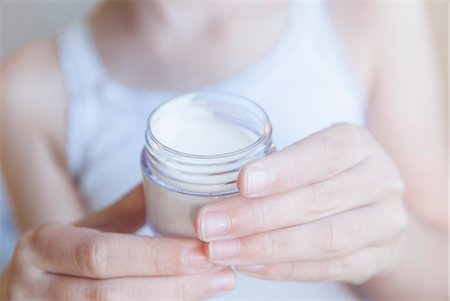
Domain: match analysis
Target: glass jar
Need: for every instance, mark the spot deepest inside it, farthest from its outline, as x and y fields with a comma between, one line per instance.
x=195, y=147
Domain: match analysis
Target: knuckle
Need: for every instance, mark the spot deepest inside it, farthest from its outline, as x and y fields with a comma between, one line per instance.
x=159, y=267
x=332, y=152
x=333, y=268
x=360, y=133
x=387, y=182
x=394, y=226
x=335, y=237
x=393, y=184
x=401, y=219
x=345, y=268
x=102, y=292
x=91, y=257
x=353, y=132
x=400, y=185
x=259, y=215
x=345, y=126
x=360, y=138
x=160, y=261
x=290, y=271
x=396, y=186
x=348, y=266
x=181, y=290
x=40, y=233
x=281, y=271
x=268, y=245
x=322, y=198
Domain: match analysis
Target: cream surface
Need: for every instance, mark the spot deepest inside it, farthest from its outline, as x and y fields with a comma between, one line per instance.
x=190, y=127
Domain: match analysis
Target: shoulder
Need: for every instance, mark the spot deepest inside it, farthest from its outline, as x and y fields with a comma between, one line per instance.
x=32, y=94
x=31, y=79
x=378, y=19
x=370, y=30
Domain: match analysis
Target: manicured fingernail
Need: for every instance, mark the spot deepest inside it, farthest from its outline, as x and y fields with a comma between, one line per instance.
x=251, y=268
x=257, y=180
x=223, y=249
x=213, y=224
x=222, y=281
x=196, y=260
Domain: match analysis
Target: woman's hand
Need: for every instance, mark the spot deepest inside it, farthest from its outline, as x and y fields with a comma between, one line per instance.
x=328, y=207
x=61, y=262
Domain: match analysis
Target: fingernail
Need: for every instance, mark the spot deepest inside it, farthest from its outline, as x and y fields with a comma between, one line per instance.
x=257, y=181
x=251, y=268
x=195, y=259
x=222, y=281
x=213, y=224
x=223, y=249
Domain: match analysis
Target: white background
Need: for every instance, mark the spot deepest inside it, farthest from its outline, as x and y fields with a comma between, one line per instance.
x=23, y=21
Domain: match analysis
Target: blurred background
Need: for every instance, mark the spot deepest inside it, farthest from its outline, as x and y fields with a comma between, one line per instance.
x=23, y=21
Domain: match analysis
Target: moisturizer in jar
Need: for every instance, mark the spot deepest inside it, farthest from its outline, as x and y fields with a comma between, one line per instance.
x=195, y=147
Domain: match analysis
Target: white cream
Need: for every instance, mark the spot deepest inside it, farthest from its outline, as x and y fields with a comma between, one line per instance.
x=212, y=140
x=187, y=127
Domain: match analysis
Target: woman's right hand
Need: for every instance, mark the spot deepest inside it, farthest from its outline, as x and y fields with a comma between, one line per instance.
x=89, y=262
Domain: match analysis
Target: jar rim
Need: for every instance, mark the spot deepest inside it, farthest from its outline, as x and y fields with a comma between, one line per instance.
x=263, y=137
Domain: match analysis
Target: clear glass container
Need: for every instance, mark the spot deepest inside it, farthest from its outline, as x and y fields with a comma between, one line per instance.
x=195, y=147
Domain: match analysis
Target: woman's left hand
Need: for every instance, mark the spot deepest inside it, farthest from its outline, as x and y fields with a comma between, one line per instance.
x=329, y=207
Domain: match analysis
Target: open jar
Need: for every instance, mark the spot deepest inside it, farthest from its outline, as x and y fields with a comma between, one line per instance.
x=195, y=147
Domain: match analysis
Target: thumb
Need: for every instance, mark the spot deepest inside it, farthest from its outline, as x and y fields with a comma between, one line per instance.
x=126, y=215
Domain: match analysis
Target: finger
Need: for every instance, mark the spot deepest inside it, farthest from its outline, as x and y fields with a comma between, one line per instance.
x=240, y=216
x=318, y=157
x=355, y=268
x=89, y=253
x=125, y=216
x=327, y=238
x=192, y=287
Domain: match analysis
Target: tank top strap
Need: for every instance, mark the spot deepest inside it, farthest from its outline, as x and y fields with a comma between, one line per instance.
x=326, y=52
x=82, y=78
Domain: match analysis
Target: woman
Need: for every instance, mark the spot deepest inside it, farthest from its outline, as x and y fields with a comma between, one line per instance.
x=328, y=207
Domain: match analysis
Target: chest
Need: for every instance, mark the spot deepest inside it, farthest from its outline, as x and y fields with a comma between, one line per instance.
x=298, y=101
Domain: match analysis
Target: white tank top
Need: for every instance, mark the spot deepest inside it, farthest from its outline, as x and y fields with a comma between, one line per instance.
x=305, y=83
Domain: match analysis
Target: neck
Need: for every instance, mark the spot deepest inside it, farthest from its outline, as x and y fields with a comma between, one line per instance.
x=174, y=15
x=177, y=39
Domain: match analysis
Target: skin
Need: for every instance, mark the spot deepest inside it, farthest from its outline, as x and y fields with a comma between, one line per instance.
x=94, y=264
x=361, y=206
